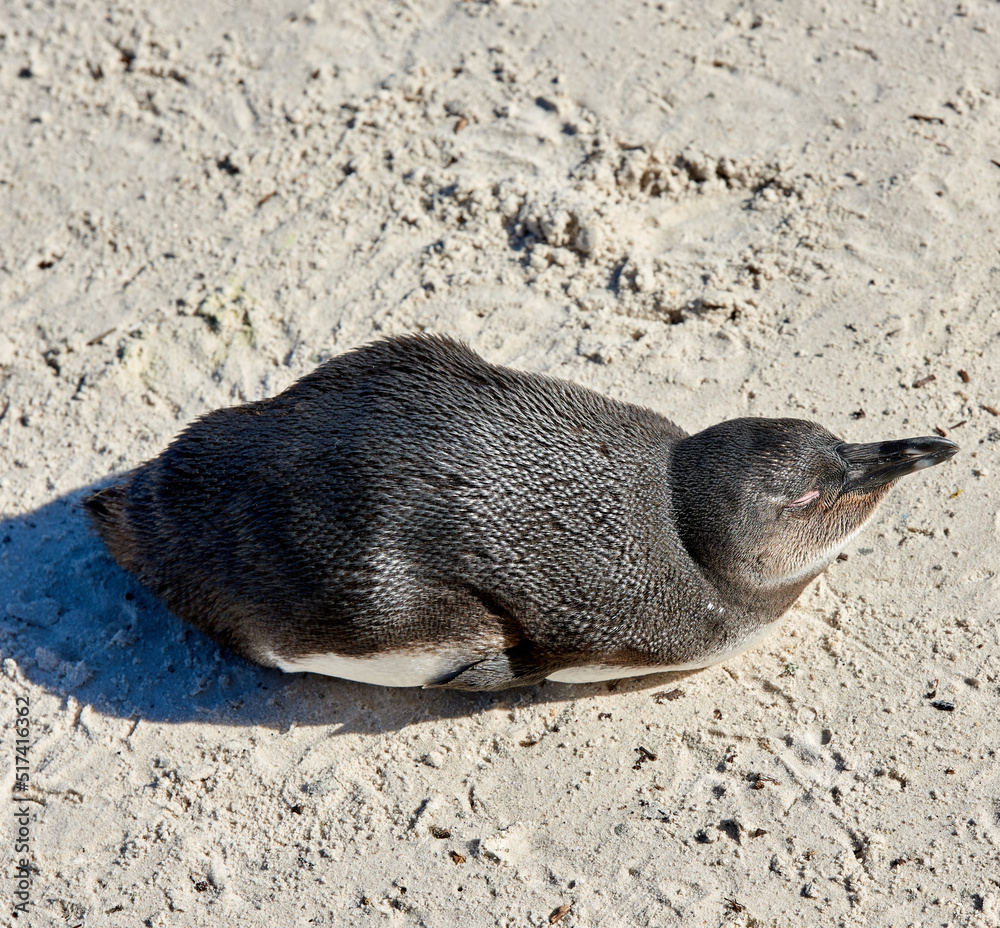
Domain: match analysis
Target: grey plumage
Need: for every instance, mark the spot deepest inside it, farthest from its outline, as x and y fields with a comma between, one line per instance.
x=408, y=497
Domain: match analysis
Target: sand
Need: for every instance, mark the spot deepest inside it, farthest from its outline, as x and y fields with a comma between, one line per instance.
x=711, y=208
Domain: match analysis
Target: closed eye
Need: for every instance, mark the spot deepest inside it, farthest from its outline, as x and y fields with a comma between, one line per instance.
x=810, y=496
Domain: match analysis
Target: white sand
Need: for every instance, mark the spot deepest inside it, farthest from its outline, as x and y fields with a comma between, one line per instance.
x=710, y=208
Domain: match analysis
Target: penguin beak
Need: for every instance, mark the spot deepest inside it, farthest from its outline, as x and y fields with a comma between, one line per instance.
x=875, y=464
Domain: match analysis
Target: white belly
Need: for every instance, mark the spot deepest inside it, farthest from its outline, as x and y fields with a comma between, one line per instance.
x=420, y=668
x=395, y=668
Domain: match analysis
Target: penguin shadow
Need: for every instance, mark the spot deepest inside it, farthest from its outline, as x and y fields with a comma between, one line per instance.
x=87, y=632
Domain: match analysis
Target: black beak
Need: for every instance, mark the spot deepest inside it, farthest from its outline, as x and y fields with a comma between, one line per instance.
x=880, y=462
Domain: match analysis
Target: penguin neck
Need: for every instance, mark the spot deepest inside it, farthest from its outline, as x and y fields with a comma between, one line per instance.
x=780, y=592
x=769, y=601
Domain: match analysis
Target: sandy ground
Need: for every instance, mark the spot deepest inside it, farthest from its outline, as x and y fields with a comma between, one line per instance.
x=710, y=208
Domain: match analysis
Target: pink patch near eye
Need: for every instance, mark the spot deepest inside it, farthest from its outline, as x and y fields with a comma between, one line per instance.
x=806, y=498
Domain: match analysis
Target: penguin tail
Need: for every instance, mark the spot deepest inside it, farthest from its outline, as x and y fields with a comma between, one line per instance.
x=108, y=511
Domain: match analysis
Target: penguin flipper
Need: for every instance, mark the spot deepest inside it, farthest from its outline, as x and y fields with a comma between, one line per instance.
x=517, y=666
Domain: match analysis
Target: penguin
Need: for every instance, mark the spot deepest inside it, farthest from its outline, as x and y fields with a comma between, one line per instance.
x=410, y=515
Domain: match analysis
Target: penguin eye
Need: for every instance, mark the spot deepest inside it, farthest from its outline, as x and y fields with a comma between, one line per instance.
x=810, y=496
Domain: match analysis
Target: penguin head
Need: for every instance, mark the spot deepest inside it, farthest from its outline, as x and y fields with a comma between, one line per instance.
x=769, y=503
